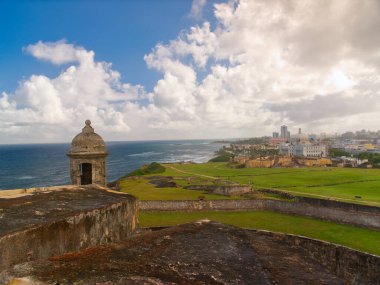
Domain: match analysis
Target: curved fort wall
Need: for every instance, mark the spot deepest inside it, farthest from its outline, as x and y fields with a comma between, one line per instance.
x=359, y=215
x=354, y=266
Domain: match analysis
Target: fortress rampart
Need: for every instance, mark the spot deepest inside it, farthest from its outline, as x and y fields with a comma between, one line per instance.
x=43, y=222
x=347, y=213
x=40, y=223
x=353, y=266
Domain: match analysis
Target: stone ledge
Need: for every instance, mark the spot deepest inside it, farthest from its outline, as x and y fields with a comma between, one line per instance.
x=57, y=220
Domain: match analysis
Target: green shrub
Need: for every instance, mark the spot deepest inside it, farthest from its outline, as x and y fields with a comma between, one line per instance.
x=152, y=168
x=336, y=152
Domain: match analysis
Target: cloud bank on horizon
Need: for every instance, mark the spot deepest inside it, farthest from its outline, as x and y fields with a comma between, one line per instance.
x=309, y=64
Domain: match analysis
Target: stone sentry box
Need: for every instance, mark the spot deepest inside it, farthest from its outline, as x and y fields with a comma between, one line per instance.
x=87, y=155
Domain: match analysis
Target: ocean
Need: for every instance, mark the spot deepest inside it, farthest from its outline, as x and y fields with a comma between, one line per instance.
x=38, y=165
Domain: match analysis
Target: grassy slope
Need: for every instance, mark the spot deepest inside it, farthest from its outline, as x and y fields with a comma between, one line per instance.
x=354, y=237
x=339, y=183
x=153, y=168
x=146, y=191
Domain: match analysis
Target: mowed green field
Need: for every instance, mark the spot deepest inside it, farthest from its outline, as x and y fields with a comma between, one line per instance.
x=358, y=238
x=328, y=183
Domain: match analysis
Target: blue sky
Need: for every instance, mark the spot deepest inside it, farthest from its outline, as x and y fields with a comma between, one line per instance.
x=121, y=32
x=177, y=69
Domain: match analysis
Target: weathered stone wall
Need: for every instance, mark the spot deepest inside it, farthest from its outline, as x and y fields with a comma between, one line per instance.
x=358, y=215
x=354, y=266
x=310, y=161
x=285, y=161
x=75, y=232
x=259, y=163
x=240, y=159
x=324, y=202
x=223, y=190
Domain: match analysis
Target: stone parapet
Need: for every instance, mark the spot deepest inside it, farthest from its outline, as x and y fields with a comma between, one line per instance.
x=53, y=222
x=355, y=267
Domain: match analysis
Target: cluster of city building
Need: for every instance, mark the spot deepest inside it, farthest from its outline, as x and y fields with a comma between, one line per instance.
x=354, y=146
x=286, y=150
x=284, y=133
x=299, y=144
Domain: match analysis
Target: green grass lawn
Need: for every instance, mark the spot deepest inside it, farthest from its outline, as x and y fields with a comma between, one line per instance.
x=337, y=183
x=354, y=237
x=328, y=183
x=143, y=190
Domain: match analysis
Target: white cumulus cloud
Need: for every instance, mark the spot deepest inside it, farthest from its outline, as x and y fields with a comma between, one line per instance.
x=197, y=8
x=58, y=52
x=86, y=89
x=310, y=64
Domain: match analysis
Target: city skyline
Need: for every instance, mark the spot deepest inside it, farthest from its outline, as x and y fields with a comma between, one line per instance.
x=149, y=70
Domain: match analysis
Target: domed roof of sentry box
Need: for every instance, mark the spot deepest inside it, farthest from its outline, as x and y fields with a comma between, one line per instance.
x=87, y=142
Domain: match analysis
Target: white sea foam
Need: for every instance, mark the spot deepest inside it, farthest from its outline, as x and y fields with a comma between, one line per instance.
x=148, y=153
x=26, y=177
